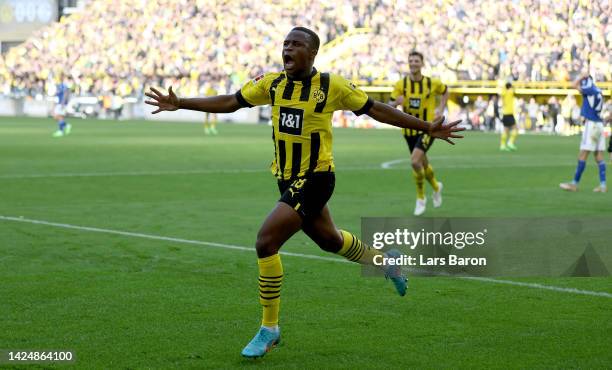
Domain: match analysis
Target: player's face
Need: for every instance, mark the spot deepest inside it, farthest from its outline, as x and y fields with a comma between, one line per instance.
x=415, y=63
x=297, y=54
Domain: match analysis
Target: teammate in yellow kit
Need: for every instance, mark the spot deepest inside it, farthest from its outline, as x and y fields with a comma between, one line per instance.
x=417, y=95
x=508, y=119
x=210, y=119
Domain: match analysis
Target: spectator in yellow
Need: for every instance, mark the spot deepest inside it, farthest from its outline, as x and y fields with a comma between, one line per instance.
x=210, y=119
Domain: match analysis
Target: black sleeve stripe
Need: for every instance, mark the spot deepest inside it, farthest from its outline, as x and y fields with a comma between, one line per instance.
x=242, y=101
x=366, y=107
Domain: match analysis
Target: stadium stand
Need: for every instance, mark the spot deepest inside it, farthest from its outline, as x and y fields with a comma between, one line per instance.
x=188, y=42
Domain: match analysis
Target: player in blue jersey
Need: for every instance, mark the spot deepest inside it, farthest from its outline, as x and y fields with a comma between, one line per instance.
x=59, y=112
x=592, y=137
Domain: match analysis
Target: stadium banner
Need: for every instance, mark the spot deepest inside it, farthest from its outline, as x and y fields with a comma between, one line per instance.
x=19, y=18
x=491, y=247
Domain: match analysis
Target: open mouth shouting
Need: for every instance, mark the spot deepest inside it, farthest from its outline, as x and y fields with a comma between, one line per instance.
x=288, y=62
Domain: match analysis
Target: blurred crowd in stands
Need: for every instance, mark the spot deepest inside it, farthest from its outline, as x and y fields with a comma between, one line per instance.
x=117, y=48
x=546, y=114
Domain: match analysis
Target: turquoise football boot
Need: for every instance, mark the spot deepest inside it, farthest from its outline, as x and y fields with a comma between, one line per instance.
x=395, y=274
x=262, y=343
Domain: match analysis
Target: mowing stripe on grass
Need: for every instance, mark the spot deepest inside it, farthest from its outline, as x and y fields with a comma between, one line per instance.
x=392, y=165
x=301, y=255
x=384, y=166
x=128, y=173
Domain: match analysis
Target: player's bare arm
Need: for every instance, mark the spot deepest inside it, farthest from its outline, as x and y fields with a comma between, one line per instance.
x=212, y=104
x=394, y=117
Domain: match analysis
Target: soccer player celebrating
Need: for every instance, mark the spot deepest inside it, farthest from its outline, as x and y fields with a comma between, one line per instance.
x=417, y=96
x=508, y=119
x=303, y=101
x=592, y=137
x=59, y=112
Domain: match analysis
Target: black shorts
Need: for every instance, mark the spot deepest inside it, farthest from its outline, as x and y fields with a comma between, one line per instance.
x=508, y=120
x=308, y=195
x=421, y=141
x=610, y=145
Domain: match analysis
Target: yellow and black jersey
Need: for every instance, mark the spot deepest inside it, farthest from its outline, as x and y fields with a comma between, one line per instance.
x=419, y=98
x=507, y=101
x=301, y=116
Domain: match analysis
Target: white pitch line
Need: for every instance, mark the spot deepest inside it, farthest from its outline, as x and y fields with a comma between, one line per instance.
x=541, y=286
x=164, y=238
x=387, y=165
x=309, y=256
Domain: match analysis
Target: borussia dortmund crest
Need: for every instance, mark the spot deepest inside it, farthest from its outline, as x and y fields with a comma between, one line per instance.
x=319, y=96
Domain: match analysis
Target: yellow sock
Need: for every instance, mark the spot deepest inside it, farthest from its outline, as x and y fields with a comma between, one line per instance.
x=418, y=179
x=513, y=135
x=270, y=281
x=504, y=137
x=431, y=178
x=354, y=250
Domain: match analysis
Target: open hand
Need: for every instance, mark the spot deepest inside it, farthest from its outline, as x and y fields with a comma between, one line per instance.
x=163, y=102
x=445, y=132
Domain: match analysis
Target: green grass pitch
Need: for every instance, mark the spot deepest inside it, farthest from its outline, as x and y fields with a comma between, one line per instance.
x=121, y=301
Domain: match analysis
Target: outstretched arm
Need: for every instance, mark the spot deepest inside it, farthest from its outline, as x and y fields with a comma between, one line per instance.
x=576, y=82
x=213, y=104
x=394, y=117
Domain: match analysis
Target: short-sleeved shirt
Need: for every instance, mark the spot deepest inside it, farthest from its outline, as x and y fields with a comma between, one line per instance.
x=302, y=117
x=507, y=101
x=419, y=98
x=62, y=93
x=592, y=100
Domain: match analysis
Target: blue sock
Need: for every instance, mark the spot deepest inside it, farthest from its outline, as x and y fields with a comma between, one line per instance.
x=62, y=124
x=602, y=172
x=579, y=170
